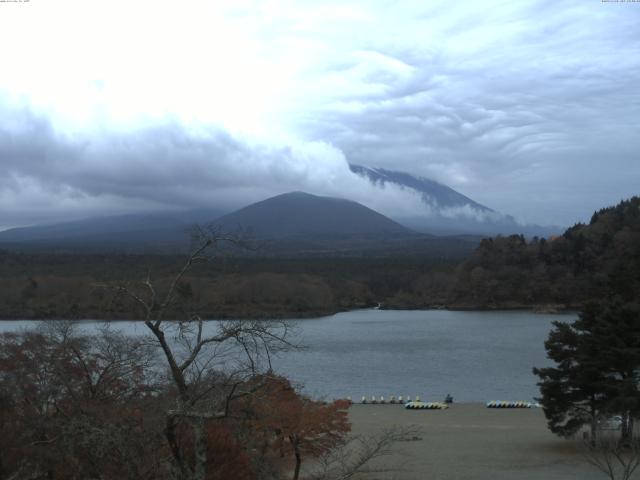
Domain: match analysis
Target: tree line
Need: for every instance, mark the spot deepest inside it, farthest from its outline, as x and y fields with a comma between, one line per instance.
x=47, y=286
x=567, y=270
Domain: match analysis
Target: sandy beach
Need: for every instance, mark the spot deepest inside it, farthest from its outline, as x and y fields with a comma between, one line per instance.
x=472, y=442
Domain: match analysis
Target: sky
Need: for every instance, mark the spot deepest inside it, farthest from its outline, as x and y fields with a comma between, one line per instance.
x=531, y=107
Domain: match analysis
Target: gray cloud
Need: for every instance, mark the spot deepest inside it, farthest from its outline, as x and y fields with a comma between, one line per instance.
x=48, y=174
x=530, y=108
x=537, y=100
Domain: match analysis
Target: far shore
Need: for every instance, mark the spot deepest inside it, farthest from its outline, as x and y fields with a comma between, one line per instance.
x=471, y=442
x=540, y=309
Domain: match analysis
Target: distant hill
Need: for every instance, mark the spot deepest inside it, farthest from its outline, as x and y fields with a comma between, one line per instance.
x=299, y=223
x=135, y=232
x=302, y=224
x=447, y=211
x=299, y=213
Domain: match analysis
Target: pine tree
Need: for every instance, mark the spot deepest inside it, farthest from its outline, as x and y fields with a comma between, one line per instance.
x=572, y=391
x=597, y=369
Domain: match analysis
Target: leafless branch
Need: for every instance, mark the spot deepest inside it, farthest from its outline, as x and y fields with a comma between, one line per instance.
x=613, y=458
x=357, y=454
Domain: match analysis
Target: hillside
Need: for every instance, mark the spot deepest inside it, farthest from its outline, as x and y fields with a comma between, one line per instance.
x=161, y=231
x=582, y=264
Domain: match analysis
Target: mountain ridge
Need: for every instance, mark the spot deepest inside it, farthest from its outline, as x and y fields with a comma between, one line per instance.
x=447, y=211
x=426, y=186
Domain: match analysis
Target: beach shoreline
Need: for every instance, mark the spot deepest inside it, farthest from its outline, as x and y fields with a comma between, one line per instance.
x=471, y=442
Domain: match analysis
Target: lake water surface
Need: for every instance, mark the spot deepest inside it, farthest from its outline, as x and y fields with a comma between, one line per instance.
x=474, y=356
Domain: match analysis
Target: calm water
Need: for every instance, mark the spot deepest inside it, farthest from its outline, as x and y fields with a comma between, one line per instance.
x=474, y=356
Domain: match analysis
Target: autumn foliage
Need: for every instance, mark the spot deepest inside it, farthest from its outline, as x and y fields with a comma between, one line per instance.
x=76, y=407
x=295, y=426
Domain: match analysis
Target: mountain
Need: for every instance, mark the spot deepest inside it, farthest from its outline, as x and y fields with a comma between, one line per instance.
x=433, y=193
x=302, y=214
x=299, y=223
x=291, y=224
x=447, y=211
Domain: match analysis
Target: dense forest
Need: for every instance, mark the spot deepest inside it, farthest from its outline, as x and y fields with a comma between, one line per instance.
x=45, y=286
x=565, y=271
x=560, y=272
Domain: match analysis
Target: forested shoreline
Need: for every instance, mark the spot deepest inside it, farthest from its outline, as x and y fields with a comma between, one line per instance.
x=511, y=272
x=67, y=286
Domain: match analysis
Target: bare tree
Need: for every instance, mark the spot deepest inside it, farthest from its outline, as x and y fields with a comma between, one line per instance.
x=618, y=460
x=355, y=456
x=210, y=364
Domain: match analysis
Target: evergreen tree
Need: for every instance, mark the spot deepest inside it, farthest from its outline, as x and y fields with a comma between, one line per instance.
x=597, y=369
x=572, y=391
x=615, y=327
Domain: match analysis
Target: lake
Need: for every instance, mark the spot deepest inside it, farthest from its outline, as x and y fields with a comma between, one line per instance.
x=474, y=356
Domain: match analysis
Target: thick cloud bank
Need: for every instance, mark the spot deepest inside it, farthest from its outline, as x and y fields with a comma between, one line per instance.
x=166, y=166
x=530, y=108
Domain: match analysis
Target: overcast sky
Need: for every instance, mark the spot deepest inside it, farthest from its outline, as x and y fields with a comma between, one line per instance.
x=531, y=107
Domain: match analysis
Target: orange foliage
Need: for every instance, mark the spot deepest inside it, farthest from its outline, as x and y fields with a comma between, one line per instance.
x=226, y=459
x=296, y=425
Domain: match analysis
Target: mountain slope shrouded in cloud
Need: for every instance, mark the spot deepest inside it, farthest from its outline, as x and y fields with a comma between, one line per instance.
x=446, y=210
x=433, y=192
x=294, y=223
x=294, y=214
